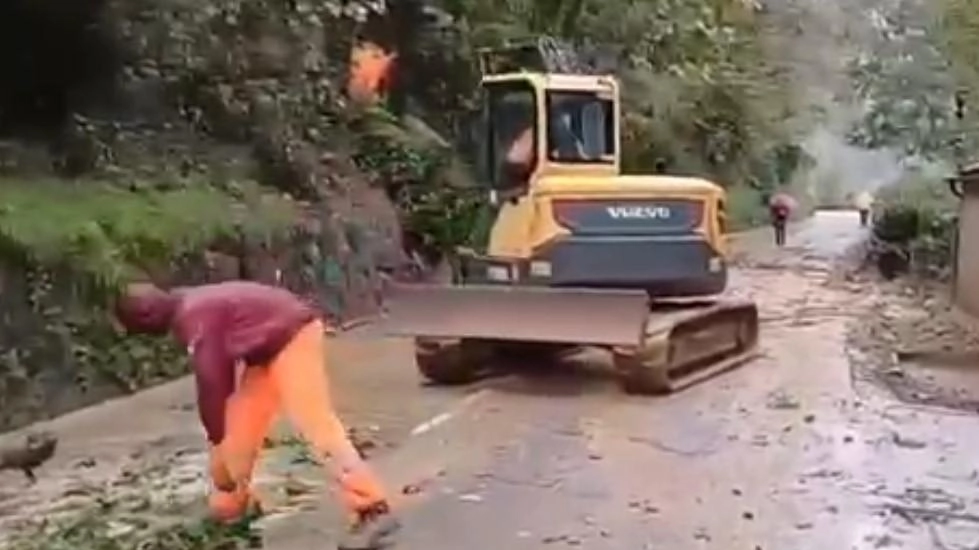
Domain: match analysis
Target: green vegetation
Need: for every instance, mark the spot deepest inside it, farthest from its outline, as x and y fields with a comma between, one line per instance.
x=921, y=63
x=134, y=527
x=916, y=218
x=904, y=83
x=957, y=27
x=105, y=232
x=745, y=208
x=701, y=97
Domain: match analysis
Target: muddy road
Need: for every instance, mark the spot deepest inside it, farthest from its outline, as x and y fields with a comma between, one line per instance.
x=788, y=452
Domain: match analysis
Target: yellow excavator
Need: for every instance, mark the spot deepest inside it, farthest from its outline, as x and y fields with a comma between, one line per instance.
x=579, y=254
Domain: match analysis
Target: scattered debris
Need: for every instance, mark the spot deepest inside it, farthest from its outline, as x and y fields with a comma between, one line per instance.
x=643, y=506
x=363, y=443
x=570, y=540
x=906, y=443
x=294, y=487
x=781, y=400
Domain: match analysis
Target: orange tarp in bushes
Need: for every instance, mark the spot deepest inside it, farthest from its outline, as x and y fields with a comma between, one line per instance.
x=370, y=72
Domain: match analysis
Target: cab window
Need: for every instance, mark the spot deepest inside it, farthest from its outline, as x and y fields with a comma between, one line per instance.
x=580, y=127
x=512, y=133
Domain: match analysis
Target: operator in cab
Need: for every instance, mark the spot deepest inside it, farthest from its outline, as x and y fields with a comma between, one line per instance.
x=256, y=351
x=563, y=144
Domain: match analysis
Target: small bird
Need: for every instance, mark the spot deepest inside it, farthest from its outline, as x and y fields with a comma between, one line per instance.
x=36, y=449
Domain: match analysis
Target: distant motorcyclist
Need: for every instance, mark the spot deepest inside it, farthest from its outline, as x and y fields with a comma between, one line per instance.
x=780, y=207
x=864, y=201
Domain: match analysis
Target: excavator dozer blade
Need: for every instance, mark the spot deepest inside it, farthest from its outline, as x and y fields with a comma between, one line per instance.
x=526, y=314
x=688, y=343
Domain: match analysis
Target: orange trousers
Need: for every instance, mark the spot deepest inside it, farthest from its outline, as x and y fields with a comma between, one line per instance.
x=295, y=383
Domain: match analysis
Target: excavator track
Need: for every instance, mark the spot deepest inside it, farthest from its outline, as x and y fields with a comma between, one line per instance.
x=685, y=344
x=463, y=334
x=460, y=361
x=452, y=361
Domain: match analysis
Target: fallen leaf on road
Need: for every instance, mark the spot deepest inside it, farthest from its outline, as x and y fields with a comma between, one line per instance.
x=362, y=443
x=567, y=539
x=293, y=487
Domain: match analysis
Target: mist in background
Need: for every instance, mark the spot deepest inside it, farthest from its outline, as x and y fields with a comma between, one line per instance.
x=846, y=168
x=814, y=40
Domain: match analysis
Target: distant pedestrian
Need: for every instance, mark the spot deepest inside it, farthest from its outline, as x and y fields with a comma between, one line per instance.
x=864, y=201
x=780, y=207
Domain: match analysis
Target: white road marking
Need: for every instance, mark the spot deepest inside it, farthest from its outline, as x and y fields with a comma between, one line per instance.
x=428, y=425
x=444, y=417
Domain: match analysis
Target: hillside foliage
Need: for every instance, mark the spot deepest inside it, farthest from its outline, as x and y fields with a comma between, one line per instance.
x=237, y=90
x=918, y=80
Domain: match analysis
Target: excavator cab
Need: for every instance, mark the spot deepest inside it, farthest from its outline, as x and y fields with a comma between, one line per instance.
x=579, y=254
x=538, y=121
x=574, y=127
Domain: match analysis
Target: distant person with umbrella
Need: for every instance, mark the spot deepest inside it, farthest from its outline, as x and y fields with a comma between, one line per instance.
x=780, y=207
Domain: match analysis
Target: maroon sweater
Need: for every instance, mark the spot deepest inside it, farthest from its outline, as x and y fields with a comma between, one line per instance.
x=227, y=323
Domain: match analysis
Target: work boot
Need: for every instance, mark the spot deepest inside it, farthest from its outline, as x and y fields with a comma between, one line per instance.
x=230, y=507
x=372, y=530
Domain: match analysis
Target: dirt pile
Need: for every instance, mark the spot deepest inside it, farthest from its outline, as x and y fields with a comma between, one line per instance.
x=914, y=344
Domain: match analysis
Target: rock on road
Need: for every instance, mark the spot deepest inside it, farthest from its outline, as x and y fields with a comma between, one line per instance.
x=784, y=453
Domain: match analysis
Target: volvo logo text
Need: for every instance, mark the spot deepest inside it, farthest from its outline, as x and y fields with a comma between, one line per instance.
x=639, y=212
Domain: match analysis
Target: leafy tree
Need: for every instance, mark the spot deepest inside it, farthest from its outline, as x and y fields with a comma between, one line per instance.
x=904, y=84
x=958, y=28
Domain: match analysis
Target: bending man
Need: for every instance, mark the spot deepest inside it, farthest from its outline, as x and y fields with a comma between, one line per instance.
x=275, y=344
